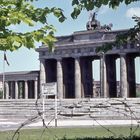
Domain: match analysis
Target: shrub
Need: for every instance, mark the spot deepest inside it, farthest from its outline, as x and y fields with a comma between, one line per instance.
x=1, y=94
x=110, y=138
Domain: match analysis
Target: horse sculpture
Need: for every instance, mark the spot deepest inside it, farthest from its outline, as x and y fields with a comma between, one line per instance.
x=94, y=24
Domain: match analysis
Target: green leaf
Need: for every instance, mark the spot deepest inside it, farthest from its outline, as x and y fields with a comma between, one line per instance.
x=76, y=12
x=13, y=12
x=75, y=2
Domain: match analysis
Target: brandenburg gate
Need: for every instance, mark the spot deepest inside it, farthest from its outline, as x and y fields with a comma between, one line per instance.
x=70, y=65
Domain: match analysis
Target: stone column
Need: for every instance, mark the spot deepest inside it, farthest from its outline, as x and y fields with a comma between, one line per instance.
x=16, y=90
x=123, y=76
x=59, y=79
x=103, y=79
x=42, y=73
x=7, y=90
x=35, y=89
x=77, y=78
x=26, y=89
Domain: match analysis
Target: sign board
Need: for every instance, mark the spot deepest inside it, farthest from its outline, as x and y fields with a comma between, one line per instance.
x=49, y=88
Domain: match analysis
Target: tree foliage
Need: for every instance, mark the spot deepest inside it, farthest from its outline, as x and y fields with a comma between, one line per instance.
x=133, y=35
x=15, y=12
x=130, y=36
x=80, y=5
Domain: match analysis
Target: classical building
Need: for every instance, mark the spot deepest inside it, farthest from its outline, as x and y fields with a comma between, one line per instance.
x=20, y=85
x=70, y=65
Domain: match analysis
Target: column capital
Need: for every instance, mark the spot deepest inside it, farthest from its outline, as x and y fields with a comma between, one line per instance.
x=122, y=54
x=77, y=58
x=6, y=81
x=59, y=58
x=42, y=60
x=101, y=54
x=36, y=79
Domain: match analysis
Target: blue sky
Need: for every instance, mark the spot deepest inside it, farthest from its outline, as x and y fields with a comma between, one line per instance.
x=24, y=59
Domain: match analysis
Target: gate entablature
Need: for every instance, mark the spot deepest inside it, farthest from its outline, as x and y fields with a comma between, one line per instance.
x=20, y=76
x=84, y=43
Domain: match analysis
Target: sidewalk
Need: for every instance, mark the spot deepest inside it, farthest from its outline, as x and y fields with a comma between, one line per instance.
x=10, y=125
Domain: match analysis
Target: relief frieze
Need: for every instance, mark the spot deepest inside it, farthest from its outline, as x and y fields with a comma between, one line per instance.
x=69, y=52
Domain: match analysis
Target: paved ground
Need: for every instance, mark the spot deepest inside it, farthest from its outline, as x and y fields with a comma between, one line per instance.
x=13, y=124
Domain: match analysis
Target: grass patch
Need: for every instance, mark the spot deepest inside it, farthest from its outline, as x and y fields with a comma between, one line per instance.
x=69, y=133
x=138, y=94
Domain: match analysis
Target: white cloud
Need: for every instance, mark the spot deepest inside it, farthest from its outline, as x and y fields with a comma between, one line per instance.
x=133, y=11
